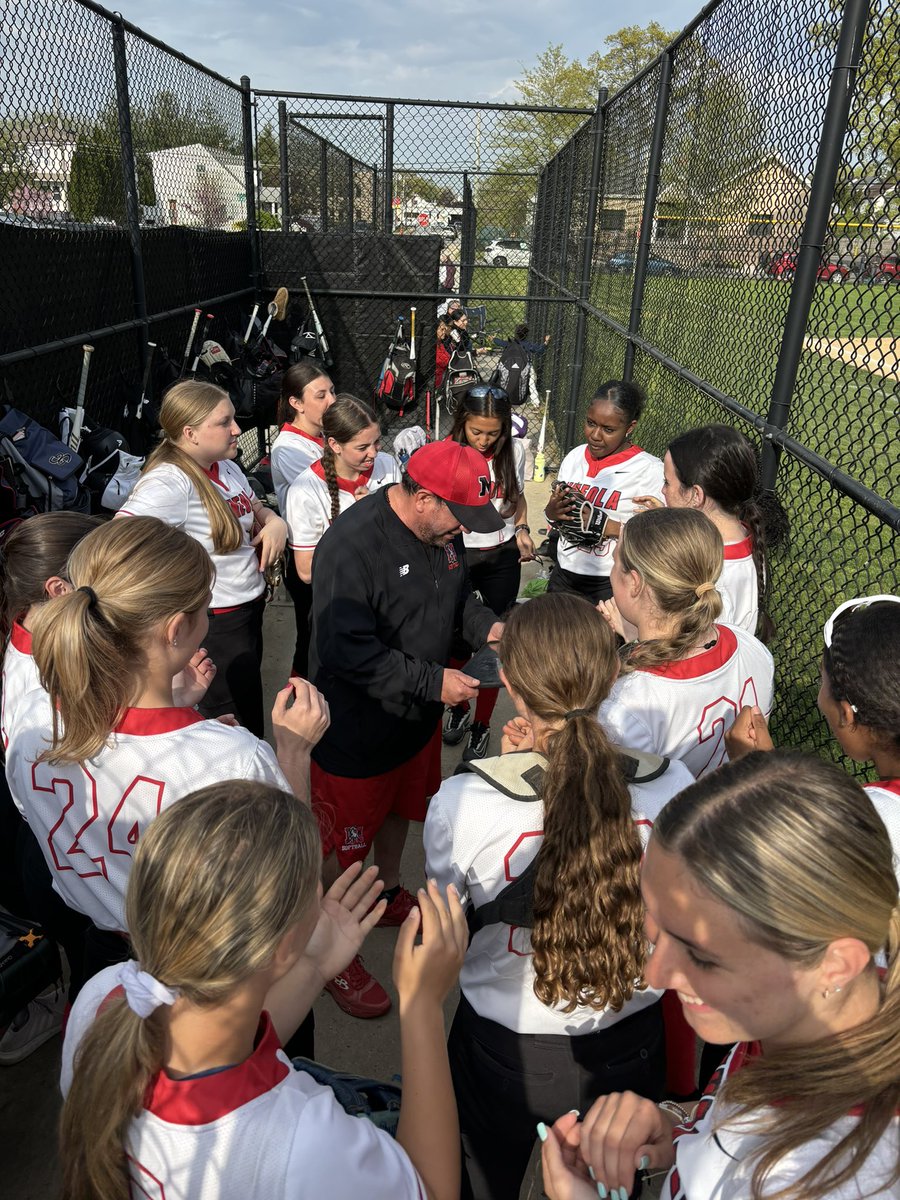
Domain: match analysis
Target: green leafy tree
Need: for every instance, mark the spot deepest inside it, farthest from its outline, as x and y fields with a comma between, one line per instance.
x=268, y=155
x=15, y=165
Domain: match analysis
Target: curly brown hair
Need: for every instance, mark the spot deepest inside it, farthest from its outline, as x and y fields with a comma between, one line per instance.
x=559, y=655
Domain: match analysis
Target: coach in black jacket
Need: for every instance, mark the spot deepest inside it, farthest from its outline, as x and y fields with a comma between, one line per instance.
x=390, y=585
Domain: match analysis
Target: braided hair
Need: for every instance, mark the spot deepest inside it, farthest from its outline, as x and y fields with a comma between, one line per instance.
x=347, y=417
x=863, y=667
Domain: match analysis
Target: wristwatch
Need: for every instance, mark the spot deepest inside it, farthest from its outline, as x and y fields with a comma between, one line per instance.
x=519, y=528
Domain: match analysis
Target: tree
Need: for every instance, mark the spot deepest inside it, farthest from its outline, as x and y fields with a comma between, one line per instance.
x=15, y=165
x=268, y=155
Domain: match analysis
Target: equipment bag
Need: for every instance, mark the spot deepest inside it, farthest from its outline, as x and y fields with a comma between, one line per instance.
x=513, y=372
x=397, y=389
x=360, y=1097
x=461, y=374
x=39, y=472
x=29, y=963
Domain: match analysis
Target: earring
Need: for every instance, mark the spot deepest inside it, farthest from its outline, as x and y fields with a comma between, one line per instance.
x=174, y=641
x=831, y=991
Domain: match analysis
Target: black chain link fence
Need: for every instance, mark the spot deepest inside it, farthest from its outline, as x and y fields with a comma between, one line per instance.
x=724, y=230
x=740, y=260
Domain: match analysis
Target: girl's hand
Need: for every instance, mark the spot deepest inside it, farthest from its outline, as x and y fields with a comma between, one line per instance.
x=271, y=539
x=749, y=732
x=619, y=1132
x=560, y=505
x=428, y=970
x=610, y=611
x=190, y=685
x=299, y=726
x=526, y=546
x=565, y=1171
x=517, y=735
x=346, y=916
x=645, y=503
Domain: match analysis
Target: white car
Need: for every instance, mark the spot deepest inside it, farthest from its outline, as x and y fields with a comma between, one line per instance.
x=508, y=252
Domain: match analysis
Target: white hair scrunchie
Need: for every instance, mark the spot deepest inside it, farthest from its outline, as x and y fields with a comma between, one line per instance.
x=143, y=993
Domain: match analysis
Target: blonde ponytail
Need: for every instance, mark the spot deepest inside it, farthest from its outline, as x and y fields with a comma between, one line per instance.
x=91, y=644
x=217, y=881
x=185, y=404
x=678, y=554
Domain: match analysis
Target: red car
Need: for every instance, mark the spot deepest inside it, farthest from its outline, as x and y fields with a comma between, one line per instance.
x=783, y=266
x=886, y=271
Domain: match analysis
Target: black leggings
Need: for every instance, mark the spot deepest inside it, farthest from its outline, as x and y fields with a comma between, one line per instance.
x=495, y=573
x=234, y=642
x=592, y=587
x=506, y=1082
x=301, y=594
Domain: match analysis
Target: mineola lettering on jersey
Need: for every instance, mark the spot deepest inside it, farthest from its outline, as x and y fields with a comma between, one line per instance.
x=597, y=496
x=240, y=505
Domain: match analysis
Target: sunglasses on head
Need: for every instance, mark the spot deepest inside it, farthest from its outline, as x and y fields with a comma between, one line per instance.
x=483, y=391
x=853, y=606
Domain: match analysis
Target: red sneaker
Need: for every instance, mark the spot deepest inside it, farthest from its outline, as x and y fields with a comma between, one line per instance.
x=398, y=909
x=358, y=993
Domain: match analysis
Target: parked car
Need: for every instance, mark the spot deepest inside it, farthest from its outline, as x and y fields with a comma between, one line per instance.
x=624, y=264
x=783, y=266
x=488, y=234
x=887, y=270
x=508, y=252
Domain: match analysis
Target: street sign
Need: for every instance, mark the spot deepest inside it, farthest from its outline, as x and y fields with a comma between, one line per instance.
x=423, y=218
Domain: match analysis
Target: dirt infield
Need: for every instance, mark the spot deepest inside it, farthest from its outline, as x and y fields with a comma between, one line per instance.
x=878, y=356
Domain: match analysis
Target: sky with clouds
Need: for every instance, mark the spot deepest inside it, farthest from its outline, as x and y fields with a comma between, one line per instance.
x=407, y=48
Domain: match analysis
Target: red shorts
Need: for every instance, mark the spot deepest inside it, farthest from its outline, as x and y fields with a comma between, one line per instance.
x=351, y=811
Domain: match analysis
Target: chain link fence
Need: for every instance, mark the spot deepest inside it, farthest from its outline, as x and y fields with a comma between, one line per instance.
x=740, y=261
x=724, y=230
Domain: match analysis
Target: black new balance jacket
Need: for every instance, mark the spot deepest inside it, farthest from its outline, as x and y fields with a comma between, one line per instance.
x=383, y=614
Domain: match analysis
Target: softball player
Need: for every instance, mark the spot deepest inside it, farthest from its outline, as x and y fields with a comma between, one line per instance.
x=608, y=472
x=192, y=483
x=714, y=469
x=688, y=675
x=484, y=422
x=222, y=903
x=576, y=811
x=859, y=697
x=351, y=467
x=117, y=748
x=767, y=916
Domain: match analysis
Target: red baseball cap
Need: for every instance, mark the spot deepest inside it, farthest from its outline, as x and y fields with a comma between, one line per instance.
x=460, y=477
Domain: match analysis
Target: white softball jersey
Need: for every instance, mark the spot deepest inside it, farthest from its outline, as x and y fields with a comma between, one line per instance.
x=88, y=817
x=308, y=506
x=257, y=1129
x=715, y=1160
x=480, y=839
x=684, y=709
x=23, y=699
x=292, y=452
x=885, y=796
x=167, y=493
x=738, y=586
x=609, y=483
x=484, y=541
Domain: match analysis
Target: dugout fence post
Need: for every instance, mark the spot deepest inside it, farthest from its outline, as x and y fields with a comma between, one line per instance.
x=388, y=180
x=351, y=196
x=283, y=167
x=553, y=169
x=129, y=181
x=815, y=227
x=651, y=191
x=250, y=183
x=587, y=262
x=323, y=185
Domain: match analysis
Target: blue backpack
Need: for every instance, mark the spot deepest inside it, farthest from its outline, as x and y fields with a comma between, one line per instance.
x=38, y=472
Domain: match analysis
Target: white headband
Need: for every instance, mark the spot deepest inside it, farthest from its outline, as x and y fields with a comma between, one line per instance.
x=143, y=993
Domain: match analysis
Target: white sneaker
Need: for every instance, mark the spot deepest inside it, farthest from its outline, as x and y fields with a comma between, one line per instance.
x=33, y=1026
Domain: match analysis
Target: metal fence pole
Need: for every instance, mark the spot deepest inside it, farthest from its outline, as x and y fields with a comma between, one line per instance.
x=466, y=240
x=388, y=181
x=323, y=185
x=351, y=199
x=129, y=181
x=283, y=167
x=250, y=183
x=587, y=262
x=650, y=194
x=376, y=222
x=812, y=240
